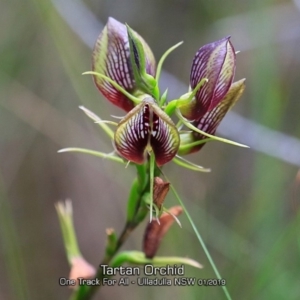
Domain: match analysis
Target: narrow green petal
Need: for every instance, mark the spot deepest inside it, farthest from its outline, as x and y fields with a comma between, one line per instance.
x=98, y=120
x=161, y=61
x=94, y=153
x=143, y=81
x=189, y=165
x=189, y=125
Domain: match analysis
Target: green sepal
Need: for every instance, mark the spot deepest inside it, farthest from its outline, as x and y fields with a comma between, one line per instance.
x=162, y=59
x=163, y=98
x=110, y=156
x=188, y=144
x=171, y=107
x=186, y=101
x=180, y=161
x=99, y=121
x=212, y=137
x=135, y=100
x=143, y=81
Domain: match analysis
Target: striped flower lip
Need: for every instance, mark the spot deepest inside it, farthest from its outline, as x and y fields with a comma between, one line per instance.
x=111, y=57
x=215, y=62
x=144, y=129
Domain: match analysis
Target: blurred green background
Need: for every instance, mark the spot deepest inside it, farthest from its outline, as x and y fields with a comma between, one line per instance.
x=247, y=208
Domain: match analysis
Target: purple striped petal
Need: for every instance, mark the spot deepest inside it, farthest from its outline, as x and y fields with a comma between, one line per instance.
x=111, y=57
x=146, y=128
x=164, y=138
x=216, y=62
x=211, y=120
x=132, y=135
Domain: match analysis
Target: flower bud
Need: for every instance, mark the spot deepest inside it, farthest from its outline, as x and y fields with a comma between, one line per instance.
x=155, y=231
x=216, y=63
x=160, y=191
x=211, y=120
x=81, y=268
x=111, y=57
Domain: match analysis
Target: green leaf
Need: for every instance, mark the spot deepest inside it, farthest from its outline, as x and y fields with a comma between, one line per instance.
x=98, y=120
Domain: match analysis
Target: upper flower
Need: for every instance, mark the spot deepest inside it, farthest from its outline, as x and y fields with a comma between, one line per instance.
x=124, y=71
x=216, y=63
x=111, y=57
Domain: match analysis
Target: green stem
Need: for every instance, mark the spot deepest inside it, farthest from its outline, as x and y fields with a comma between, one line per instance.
x=152, y=166
x=87, y=292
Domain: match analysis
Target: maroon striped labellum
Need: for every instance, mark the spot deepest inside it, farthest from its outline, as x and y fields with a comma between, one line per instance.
x=144, y=129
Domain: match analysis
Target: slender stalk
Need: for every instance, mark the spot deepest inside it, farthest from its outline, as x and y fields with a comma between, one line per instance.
x=152, y=166
x=87, y=292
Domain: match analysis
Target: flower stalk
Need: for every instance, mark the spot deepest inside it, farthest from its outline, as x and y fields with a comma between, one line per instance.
x=124, y=71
